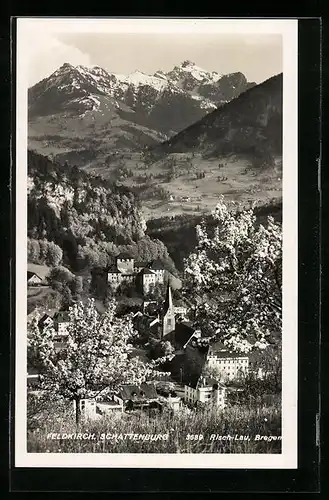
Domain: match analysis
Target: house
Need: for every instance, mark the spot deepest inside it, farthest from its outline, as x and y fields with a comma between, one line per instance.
x=37, y=274
x=92, y=409
x=172, y=403
x=231, y=364
x=139, y=397
x=150, y=307
x=45, y=320
x=33, y=279
x=205, y=390
x=61, y=322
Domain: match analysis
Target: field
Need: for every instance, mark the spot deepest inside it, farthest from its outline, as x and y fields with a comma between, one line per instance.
x=173, y=185
x=107, y=434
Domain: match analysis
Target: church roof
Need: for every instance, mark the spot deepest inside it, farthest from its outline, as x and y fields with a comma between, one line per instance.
x=168, y=304
x=183, y=334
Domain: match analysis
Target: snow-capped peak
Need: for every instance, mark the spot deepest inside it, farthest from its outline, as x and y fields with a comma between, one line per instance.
x=190, y=68
x=138, y=78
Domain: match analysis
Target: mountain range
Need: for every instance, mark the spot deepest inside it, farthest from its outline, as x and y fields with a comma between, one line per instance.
x=251, y=125
x=78, y=114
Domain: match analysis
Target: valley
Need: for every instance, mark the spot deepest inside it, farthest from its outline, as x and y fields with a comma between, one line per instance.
x=188, y=183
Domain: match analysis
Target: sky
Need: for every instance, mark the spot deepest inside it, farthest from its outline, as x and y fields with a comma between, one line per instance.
x=257, y=55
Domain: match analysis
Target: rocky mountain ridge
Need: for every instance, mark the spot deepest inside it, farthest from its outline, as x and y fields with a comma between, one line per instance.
x=164, y=103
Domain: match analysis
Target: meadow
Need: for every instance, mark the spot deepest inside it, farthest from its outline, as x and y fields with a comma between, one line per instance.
x=184, y=190
x=180, y=433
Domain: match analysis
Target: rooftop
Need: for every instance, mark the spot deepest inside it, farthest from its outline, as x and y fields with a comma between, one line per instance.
x=156, y=265
x=30, y=274
x=183, y=333
x=125, y=255
x=135, y=393
x=222, y=351
x=200, y=381
x=39, y=270
x=140, y=264
x=146, y=271
x=209, y=382
x=62, y=317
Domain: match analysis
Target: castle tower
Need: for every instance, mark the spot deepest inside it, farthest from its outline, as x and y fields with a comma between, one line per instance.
x=168, y=319
x=125, y=263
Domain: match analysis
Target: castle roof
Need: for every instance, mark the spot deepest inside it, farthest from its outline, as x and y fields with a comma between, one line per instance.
x=146, y=271
x=156, y=265
x=113, y=269
x=125, y=255
x=140, y=264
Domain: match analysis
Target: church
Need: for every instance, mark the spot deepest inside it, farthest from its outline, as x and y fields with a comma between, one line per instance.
x=173, y=324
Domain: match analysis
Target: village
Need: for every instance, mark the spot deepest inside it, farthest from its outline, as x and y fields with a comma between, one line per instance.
x=199, y=373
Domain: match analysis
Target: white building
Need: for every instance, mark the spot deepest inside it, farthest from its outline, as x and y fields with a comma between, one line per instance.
x=205, y=390
x=231, y=365
x=93, y=410
x=142, y=274
x=34, y=279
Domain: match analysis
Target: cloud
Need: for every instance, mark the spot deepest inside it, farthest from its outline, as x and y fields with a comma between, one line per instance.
x=46, y=53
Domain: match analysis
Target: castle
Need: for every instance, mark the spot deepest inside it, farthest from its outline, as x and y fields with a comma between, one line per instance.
x=142, y=274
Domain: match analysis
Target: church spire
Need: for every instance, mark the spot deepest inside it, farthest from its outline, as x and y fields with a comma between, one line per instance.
x=168, y=304
x=168, y=320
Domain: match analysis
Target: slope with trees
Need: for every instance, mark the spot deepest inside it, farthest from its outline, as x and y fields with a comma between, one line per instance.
x=80, y=220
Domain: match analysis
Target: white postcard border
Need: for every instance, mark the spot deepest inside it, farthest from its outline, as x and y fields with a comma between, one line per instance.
x=288, y=458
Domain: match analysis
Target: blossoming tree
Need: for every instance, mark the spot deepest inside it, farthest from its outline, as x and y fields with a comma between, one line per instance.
x=234, y=278
x=94, y=359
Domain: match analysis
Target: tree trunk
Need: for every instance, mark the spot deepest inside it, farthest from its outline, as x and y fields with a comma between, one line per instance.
x=77, y=412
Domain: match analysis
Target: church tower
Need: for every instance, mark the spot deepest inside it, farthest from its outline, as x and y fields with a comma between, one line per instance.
x=168, y=319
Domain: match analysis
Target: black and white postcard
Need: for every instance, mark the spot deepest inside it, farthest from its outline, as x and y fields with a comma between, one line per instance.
x=156, y=230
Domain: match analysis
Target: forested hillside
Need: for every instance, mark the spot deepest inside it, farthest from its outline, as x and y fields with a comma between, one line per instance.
x=90, y=219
